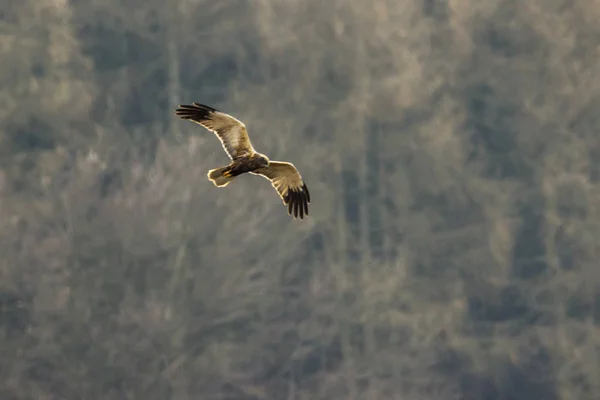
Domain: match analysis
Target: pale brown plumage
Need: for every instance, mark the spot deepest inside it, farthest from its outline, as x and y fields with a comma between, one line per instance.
x=233, y=135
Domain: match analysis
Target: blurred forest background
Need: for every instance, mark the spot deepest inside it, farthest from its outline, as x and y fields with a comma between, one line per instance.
x=452, y=151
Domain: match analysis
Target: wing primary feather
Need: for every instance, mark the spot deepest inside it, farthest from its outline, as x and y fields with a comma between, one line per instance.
x=204, y=106
x=290, y=204
x=297, y=202
x=296, y=206
x=305, y=202
x=196, y=111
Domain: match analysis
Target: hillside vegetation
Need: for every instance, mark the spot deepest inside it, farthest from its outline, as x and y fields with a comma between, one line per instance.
x=452, y=150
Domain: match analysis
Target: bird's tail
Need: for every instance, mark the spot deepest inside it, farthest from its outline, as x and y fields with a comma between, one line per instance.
x=220, y=176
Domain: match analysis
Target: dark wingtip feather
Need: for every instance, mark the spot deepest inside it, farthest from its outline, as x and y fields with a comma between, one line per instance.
x=301, y=207
x=305, y=190
x=289, y=203
x=194, y=111
x=296, y=208
x=297, y=203
x=204, y=107
x=305, y=203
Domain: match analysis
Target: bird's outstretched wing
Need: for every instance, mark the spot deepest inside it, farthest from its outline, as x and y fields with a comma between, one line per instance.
x=230, y=131
x=288, y=182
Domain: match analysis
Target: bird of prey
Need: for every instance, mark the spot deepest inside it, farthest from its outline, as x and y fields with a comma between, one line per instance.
x=232, y=133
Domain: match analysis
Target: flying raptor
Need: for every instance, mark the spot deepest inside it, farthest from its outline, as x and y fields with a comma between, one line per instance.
x=233, y=135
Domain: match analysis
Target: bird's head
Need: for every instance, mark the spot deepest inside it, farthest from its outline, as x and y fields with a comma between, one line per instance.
x=263, y=160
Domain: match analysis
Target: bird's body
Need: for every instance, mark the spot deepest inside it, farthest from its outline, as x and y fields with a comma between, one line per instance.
x=232, y=133
x=222, y=176
x=248, y=164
